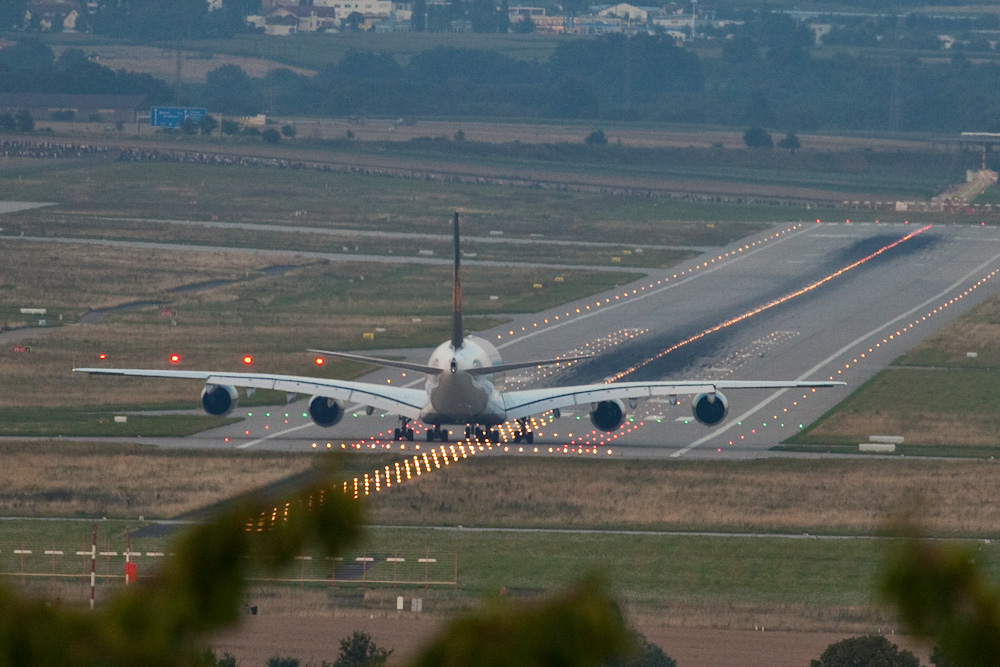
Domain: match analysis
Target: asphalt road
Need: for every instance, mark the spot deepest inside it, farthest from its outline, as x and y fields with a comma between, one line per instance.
x=799, y=301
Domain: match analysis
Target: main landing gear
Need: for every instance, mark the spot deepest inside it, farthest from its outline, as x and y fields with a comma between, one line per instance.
x=481, y=435
x=437, y=433
x=404, y=430
x=521, y=432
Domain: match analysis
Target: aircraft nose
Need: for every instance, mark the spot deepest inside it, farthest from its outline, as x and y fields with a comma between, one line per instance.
x=454, y=366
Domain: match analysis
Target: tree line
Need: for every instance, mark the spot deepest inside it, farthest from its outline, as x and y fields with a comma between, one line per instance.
x=757, y=81
x=644, y=77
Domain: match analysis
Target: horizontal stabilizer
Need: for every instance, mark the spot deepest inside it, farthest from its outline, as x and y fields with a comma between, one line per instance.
x=389, y=363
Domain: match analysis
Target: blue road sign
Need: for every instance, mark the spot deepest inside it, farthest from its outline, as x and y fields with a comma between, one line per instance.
x=174, y=116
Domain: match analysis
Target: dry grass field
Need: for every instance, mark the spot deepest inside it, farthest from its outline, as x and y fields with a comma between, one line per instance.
x=854, y=497
x=162, y=63
x=858, y=497
x=126, y=481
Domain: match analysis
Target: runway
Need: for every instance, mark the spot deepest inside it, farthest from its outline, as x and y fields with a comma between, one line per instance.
x=799, y=301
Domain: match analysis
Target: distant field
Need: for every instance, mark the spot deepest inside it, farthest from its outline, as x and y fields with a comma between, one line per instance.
x=317, y=50
x=333, y=200
x=310, y=51
x=162, y=62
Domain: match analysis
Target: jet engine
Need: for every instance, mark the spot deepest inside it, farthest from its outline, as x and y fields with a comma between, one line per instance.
x=608, y=416
x=710, y=409
x=325, y=411
x=219, y=399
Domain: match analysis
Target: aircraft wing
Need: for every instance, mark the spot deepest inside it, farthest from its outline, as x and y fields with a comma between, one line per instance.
x=525, y=403
x=397, y=400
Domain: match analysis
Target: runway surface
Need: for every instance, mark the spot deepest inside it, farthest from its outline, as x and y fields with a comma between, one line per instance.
x=799, y=301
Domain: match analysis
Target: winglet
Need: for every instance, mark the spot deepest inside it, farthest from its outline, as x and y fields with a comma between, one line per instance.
x=456, y=323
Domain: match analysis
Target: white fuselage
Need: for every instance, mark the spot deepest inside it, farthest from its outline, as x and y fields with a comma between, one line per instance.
x=456, y=396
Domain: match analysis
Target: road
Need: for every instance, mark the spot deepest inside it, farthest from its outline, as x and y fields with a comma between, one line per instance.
x=799, y=301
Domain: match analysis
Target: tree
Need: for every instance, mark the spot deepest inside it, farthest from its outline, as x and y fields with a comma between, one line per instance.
x=288, y=130
x=418, y=19
x=644, y=654
x=574, y=97
x=271, y=136
x=525, y=26
x=942, y=594
x=870, y=651
x=790, y=141
x=228, y=89
x=25, y=123
x=359, y=650
x=281, y=661
x=758, y=137
x=208, y=124
x=353, y=21
x=230, y=127
x=483, y=16
x=7, y=122
x=189, y=126
x=503, y=18
x=596, y=138
x=12, y=14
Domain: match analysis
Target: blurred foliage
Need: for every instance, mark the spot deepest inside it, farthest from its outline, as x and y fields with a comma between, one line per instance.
x=642, y=653
x=870, y=651
x=164, y=621
x=941, y=594
x=359, y=650
x=581, y=627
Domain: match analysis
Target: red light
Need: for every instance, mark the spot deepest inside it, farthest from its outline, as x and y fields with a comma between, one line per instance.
x=102, y=356
x=248, y=360
x=175, y=358
x=319, y=361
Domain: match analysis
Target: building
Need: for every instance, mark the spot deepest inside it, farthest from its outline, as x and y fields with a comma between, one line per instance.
x=96, y=108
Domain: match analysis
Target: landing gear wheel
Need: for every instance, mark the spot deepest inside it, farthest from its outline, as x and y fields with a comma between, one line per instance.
x=398, y=434
x=444, y=435
x=409, y=434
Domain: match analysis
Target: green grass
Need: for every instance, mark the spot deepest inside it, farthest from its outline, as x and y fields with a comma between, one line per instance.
x=643, y=570
x=991, y=196
x=950, y=411
x=647, y=569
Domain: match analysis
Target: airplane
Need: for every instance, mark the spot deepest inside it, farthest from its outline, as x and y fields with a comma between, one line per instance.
x=458, y=389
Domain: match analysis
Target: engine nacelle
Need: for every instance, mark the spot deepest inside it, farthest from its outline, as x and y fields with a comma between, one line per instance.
x=608, y=416
x=325, y=411
x=219, y=399
x=710, y=409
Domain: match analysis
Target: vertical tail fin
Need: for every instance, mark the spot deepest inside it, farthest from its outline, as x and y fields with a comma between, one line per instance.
x=456, y=324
